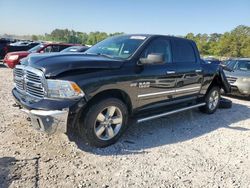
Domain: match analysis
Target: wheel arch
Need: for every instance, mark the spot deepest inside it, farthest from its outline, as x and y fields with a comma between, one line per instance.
x=215, y=82
x=220, y=80
x=116, y=93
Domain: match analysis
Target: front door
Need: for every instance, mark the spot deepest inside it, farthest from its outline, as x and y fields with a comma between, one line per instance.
x=156, y=83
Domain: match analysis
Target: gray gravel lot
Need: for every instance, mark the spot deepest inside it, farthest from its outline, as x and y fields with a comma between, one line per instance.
x=189, y=149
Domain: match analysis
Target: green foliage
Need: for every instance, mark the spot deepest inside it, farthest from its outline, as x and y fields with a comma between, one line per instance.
x=230, y=44
x=34, y=37
x=71, y=36
x=235, y=43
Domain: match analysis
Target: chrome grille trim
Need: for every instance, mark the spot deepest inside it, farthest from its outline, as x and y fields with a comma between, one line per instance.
x=29, y=81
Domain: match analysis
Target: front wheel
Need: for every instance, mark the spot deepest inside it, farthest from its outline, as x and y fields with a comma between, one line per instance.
x=212, y=100
x=104, y=122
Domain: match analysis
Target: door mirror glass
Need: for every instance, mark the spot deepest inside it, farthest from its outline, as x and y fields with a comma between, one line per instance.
x=153, y=59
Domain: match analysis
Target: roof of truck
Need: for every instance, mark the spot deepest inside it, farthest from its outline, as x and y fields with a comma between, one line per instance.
x=155, y=35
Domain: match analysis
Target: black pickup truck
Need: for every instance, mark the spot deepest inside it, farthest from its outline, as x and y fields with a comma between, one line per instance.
x=123, y=78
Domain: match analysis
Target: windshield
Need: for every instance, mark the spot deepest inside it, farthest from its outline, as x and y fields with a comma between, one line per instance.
x=230, y=64
x=243, y=65
x=72, y=49
x=238, y=65
x=121, y=47
x=36, y=48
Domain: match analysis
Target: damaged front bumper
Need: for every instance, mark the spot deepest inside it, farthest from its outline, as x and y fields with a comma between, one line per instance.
x=48, y=121
x=49, y=115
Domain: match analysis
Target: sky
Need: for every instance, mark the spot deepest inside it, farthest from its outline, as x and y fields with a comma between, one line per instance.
x=172, y=17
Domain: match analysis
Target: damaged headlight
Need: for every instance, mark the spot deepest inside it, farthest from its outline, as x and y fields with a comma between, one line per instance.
x=63, y=89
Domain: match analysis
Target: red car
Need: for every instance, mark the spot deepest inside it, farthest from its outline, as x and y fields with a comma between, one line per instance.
x=13, y=58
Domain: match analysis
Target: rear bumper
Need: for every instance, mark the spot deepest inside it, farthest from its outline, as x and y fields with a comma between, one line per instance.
x=48, y=121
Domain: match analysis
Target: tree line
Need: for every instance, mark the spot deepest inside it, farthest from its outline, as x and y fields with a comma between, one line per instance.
x=71, y=36
x=235, y=43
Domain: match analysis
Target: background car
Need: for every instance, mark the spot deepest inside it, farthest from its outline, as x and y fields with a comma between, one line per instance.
x=13, y=58
x=239, y=76
x=6, y=46
x=75, y=49
x=21, y=46
x=3, y=47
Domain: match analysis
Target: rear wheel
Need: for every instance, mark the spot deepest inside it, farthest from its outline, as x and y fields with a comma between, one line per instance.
x=104, y=122
x=212, y=100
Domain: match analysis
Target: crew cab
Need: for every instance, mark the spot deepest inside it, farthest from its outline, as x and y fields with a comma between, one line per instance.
x=119, y=80
x=13, y=58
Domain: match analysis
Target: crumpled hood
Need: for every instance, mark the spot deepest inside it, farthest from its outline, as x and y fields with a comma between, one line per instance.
x=53, y=64
x=238, y=74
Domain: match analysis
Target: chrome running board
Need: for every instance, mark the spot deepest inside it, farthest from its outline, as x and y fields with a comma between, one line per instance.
x=169, y=113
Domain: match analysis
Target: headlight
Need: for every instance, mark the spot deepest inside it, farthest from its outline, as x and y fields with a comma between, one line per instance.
x=13, y=57
x=246, y=79
x=64, y=89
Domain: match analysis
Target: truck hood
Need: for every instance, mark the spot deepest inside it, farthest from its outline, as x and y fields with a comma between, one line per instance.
x=53, y=64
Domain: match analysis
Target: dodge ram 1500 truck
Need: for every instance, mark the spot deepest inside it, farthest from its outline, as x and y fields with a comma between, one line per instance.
x=138, y=77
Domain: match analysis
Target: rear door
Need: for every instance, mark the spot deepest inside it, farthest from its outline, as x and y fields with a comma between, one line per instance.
x=188, y=68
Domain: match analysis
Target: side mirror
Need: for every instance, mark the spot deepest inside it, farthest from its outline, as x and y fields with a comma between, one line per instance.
x=153, y=59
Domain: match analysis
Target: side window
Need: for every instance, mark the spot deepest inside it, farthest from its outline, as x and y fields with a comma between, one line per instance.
x=183, y=52
x=55, y=48
x=62, y=47
x=159, y=46
x=48, y=49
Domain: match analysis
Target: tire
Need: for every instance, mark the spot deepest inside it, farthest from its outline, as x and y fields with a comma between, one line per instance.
x=225, y=103
x=104, y=122
x=212, y=101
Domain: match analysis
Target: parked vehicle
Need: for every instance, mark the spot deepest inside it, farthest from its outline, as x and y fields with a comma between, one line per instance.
x=21, y=46
x=75, y=49
x=6, y=47
x=238, y=76
x=3, y=47
x=140, y=76
x=13, y=58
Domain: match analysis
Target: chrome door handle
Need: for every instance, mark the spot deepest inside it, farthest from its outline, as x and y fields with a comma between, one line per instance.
x=170, y=72
x=198, y=70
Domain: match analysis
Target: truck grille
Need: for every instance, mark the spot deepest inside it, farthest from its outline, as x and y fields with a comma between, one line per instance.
x=231, y=80
x=29, y=81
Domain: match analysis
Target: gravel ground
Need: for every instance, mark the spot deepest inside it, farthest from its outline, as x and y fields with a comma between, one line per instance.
x=189, y=149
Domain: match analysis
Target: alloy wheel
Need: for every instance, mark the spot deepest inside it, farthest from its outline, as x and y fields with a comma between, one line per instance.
x=213, y=100
x=108, y=123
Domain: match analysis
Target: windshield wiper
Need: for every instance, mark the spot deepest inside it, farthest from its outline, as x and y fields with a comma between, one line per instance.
x=99, y=54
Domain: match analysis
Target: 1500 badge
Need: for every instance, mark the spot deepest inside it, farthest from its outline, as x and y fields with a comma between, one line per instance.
x=140, y=84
